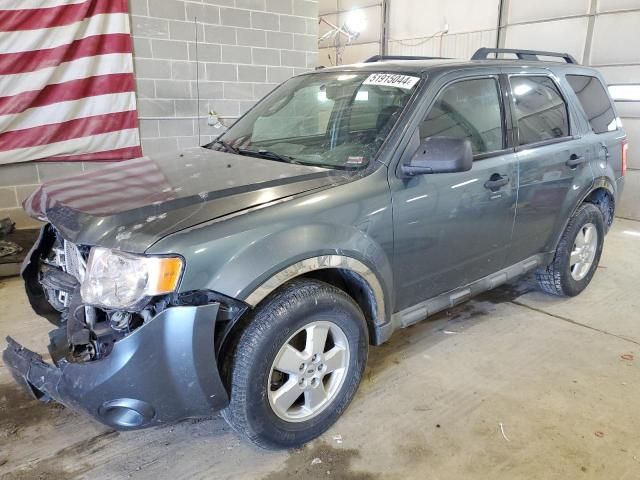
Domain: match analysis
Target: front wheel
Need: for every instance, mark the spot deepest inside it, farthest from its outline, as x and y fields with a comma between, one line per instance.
x=297, y=365
x=577, y=256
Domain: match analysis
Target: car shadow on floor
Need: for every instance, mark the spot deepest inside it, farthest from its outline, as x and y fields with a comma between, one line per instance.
x=437, y=328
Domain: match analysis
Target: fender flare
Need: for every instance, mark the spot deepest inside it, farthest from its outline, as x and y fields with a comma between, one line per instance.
x=319, y=263
x=598, y=183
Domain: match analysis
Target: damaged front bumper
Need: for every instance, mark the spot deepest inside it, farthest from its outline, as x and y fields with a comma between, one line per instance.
x=162, y=372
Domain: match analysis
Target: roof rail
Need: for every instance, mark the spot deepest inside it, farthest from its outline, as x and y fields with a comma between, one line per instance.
x=382, y=58
x=483, y=53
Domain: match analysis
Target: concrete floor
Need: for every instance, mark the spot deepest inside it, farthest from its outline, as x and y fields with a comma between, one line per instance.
x=514, y=384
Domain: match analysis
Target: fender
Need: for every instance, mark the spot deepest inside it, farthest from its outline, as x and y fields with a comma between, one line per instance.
x=256, y=269
x=246, y=257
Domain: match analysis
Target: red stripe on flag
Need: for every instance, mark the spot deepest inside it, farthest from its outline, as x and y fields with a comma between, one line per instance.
x=108, y=156
x=58, y=132
x=72, y=90
x=22, y=62
x=35, y=18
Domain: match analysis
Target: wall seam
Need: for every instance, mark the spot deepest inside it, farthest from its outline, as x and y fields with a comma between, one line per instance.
x=586, y=56
x=571, y=17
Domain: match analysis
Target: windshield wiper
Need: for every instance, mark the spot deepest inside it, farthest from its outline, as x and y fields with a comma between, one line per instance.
x=268, y=154
x=227, y=146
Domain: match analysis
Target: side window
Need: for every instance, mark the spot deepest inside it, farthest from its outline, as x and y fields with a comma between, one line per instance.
x=468, y=109
x=541, y=112
x=595, y=102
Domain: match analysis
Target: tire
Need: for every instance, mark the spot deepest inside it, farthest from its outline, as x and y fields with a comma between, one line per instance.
x=561, y=277
x=302, y=306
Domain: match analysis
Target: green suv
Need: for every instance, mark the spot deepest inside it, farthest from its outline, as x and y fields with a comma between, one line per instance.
x=250, y=276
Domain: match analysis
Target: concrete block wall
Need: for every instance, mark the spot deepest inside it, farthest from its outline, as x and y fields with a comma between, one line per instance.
x=244, y=49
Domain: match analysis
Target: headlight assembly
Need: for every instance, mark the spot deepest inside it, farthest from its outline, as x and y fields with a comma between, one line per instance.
x=120, y=280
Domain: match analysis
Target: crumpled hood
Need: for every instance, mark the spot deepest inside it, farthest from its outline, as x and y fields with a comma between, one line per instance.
x=130, y=205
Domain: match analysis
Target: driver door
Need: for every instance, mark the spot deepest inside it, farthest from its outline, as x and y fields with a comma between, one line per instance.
x=454, y=228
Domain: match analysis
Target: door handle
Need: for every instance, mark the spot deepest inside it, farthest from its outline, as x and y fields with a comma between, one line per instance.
x=496, y=181
x=575, y=160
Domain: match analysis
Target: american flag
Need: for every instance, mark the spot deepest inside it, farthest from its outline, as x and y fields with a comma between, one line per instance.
x=67, y=90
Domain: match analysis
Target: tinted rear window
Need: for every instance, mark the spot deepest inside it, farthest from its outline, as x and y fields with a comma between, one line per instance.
x=540, y=110
x=594, y=101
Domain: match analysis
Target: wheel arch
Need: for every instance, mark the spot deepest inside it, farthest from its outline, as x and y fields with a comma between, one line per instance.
x=344, y=272
x=603, y=196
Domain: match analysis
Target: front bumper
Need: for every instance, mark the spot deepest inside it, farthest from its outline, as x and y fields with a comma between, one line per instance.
x=162, y=372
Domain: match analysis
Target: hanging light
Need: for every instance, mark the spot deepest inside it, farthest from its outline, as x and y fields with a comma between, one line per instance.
x=355, y=21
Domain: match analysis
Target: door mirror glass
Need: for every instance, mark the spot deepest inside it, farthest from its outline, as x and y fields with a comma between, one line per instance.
x=440, y=155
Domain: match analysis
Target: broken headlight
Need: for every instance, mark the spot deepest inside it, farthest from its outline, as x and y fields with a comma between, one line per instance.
x=121, y=280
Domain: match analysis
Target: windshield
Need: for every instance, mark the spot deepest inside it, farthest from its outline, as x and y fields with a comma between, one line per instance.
x=337, y=120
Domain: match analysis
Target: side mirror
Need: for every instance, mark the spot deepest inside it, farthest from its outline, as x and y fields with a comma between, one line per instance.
x=440, y=155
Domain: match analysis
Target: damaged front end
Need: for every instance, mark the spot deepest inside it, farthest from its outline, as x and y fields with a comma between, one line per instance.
x=152, y=363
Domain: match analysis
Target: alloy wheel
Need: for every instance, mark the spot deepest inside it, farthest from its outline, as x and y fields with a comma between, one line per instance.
x=308, y=371
x=584, y=251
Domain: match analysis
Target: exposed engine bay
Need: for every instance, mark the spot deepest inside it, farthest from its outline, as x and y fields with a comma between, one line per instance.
x=89, y=332
x=54, y=271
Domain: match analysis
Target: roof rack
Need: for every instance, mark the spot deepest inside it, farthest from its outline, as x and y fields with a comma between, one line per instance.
x=382, y=58
x=483, y=53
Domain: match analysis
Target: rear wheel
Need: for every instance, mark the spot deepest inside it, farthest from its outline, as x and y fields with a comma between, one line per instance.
x=577, y=256
x=297, y=365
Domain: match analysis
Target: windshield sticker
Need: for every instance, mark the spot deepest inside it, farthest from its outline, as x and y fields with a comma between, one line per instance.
x=392, y=80
x=356, y=160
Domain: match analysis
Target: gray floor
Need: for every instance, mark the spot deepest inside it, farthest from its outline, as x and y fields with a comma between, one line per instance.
x=514, y=384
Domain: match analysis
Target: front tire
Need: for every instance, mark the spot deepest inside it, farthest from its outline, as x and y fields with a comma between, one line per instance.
x=577, y=256
x=296, y=365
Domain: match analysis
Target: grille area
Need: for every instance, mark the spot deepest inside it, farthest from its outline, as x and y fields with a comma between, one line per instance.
x=74, y=263
x=67, y=259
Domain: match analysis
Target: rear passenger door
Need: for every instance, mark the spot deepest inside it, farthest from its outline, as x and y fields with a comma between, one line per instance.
x=553, y=160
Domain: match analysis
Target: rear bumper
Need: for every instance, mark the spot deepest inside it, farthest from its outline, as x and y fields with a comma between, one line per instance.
x=163, y=372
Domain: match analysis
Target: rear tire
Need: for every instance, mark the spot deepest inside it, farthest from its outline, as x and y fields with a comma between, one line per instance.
x=265, y=370
x=577, y=256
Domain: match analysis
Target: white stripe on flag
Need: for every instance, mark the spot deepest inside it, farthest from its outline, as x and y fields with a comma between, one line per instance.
x=44, y=38
x=65, y=111
x=76, y=146
x=104, y=143
x=32, y=4
x=75, y=70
